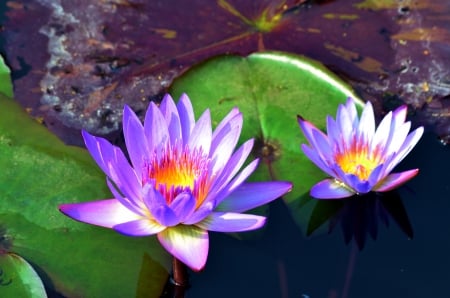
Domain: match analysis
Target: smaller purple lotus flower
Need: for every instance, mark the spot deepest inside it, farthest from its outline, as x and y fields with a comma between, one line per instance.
x=357, y=157
x=184, y=180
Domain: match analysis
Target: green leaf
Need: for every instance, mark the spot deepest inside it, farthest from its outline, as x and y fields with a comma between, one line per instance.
x=38, y=173
x=6, y=86
x=270, y=89
x=18, y=278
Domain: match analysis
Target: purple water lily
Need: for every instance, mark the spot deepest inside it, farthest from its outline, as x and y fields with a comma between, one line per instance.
x=183, y=182
x=358, y=157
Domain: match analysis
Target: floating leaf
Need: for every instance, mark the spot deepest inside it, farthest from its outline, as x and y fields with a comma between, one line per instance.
x=271, y=89
x=6, y=86
x=18, y=278
x=38, y=173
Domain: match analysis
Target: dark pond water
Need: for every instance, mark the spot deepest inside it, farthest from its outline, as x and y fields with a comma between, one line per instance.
x=284, y=263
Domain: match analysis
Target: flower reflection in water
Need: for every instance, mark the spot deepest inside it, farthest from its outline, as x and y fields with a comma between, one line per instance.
x=360, y=216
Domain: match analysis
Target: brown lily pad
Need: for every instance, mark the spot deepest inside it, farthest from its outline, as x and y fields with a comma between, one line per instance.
x=75, y=63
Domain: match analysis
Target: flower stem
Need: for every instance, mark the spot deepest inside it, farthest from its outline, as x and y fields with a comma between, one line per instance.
x=180, y=278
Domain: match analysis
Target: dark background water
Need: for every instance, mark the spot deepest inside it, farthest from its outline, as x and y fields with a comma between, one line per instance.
x=284, y=263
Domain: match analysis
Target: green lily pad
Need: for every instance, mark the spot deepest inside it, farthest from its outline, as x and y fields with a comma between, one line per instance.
x=18, y=278
x=270, y=89
x=78, y=260
x=6, y=86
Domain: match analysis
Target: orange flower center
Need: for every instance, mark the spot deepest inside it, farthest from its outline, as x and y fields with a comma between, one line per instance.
x=175, y=171
x=359, y=161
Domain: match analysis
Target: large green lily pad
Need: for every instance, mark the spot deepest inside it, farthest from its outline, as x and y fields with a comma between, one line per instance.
x=271, y=89
x=38, y=173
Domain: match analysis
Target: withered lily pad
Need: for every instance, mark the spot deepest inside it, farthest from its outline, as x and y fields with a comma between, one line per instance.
x=89, y=57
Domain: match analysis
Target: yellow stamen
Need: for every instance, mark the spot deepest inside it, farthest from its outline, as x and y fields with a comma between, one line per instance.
x=359, y=161
x=180, y=170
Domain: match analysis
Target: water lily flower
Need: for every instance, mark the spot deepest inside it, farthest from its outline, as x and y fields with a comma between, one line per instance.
x=183, y=181
x=358, y=157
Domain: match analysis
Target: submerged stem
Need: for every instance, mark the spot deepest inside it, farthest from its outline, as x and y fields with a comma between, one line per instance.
x=180, y=278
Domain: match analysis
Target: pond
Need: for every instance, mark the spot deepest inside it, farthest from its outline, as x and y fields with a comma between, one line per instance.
x=284, y=263
x=75, y=69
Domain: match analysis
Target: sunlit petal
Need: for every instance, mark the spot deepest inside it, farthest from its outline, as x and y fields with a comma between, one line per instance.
x=186, y=114
x=394, y=180
x=132, y=131
x=366, y=127
x=105, y=213
x=155, y=127
x=330, y=189
x=252, y=194
x=201, y=134
x=231, y=222
x=189, y=244
x=139, y=228
x=170, y=112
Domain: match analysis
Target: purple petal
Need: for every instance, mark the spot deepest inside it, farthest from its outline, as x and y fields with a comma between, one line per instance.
x=231, y=120
x=232, y=167
x=158, y=208
x=231, y=222
x=155, y=127
x=334, y=134
x=322, y=146
x=350, y=106
x=203, y=211
x=138, y=228
x=307, y=129
x=366, y=126
x=113, y=162
x=170, y=112
x=381, y=134
x=251, y=195
x=186, y=114
x=410, y=141
x=189, y=244
x=398, y=117
x=183, y=205
x=315, y=158
x=346, y=123
x=330, y=189
x=104, y=213
x=358, y=185
x=124, y=177
x=135, y=140
x=377, y=174
x=100, y=149
x=396, y=139
x=224, y=141
x=134, y=205
x=238, y=180
x=340, y=174
x=201, y=134
x=394, y=180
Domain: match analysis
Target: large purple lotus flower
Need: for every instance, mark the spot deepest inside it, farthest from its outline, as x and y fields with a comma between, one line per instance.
x=183, y=181
x=357, y=157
